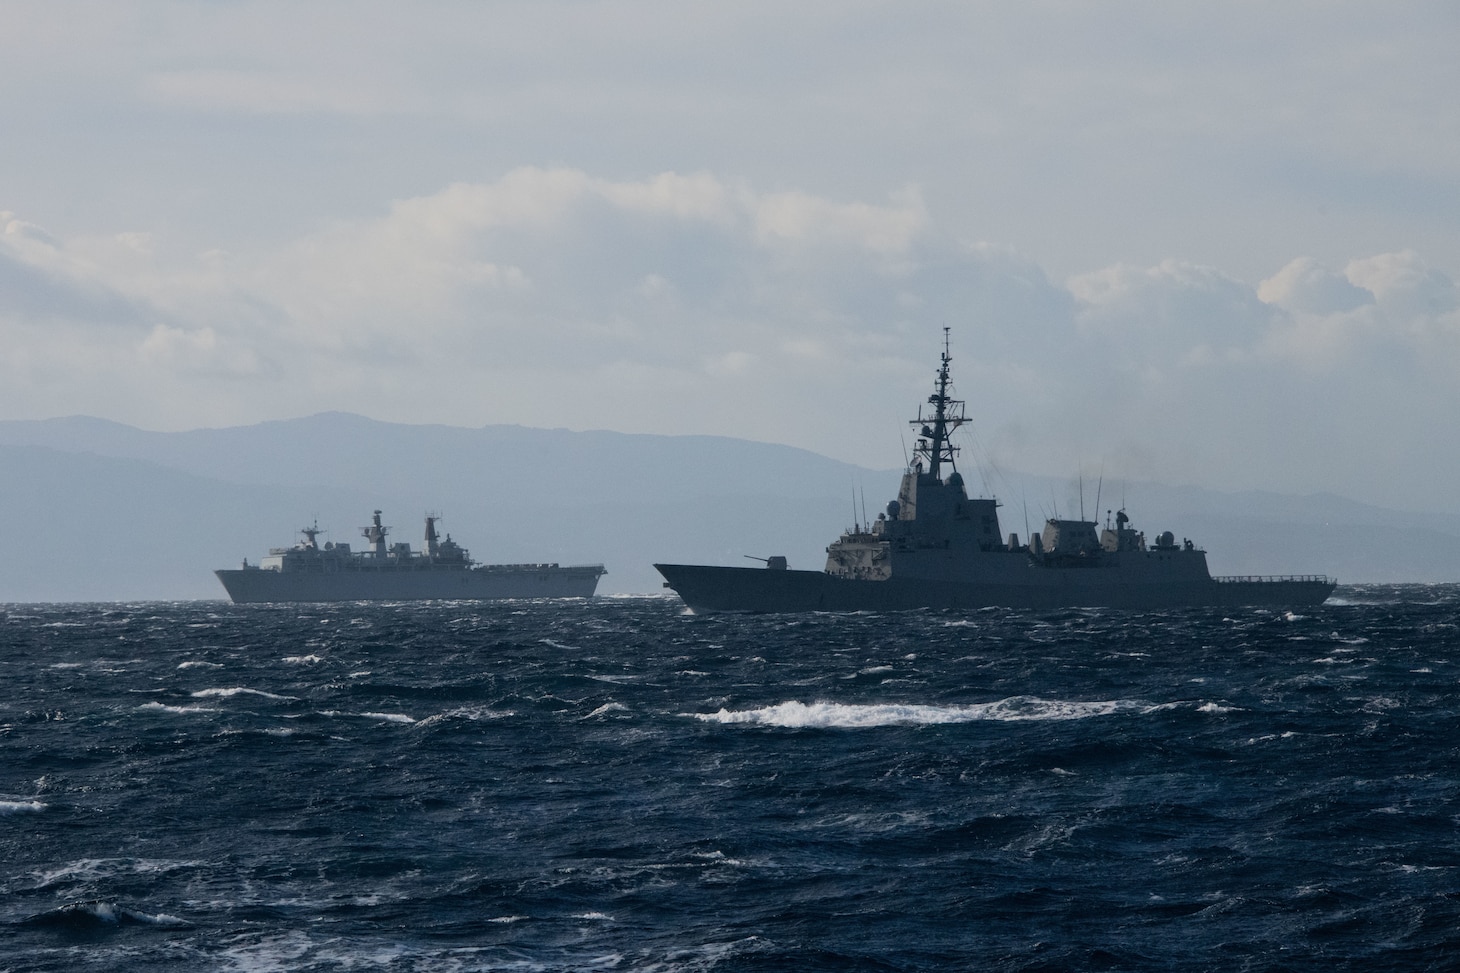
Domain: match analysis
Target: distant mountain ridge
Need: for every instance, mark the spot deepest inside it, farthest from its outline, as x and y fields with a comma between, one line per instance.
x=341, y=449
x=98, y=510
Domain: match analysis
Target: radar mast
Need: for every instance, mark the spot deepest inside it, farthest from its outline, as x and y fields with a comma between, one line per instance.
x=375, y=534
x=934, y=445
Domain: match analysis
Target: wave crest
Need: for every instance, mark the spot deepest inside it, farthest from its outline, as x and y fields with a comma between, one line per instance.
x=855, y=716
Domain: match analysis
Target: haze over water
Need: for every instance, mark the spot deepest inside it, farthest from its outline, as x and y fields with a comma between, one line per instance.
x=619, y=785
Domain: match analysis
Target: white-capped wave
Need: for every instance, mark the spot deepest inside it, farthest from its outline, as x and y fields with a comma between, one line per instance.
x=88, y=870
x=236, y=691
x=607, y=708
x=155, y=919
x=199, y=664
x=84, y=915
x=105, y=911
x=85, y=869
x=875, y=822
x=300, y=950
x=389, y=717
x=21, y=807
x=164, y=708
x=303, y=660
x=477, y=714
x=855, y=716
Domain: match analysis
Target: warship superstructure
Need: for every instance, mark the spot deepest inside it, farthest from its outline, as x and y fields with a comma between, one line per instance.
x=937, y=547
x=310, y=571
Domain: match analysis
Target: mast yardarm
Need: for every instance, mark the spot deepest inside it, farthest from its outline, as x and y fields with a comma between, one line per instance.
x=934, y=445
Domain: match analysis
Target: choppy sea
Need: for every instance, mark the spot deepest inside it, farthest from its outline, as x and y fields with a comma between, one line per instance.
x=619, y=785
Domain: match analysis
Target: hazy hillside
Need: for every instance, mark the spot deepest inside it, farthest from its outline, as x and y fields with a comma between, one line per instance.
x=110, y=512
x=97, y=510
x=555, y=465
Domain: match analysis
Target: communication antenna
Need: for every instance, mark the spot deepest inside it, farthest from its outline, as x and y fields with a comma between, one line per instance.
x=1099, y=484
x=864, y=506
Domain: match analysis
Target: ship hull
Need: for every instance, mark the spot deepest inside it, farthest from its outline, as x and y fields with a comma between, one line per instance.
x=487, y=583
x=706, y=588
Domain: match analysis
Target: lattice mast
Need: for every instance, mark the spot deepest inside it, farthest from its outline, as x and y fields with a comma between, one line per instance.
x=934, y=444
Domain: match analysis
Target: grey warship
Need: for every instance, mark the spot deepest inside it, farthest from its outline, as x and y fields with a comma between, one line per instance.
x=311, y=572
x=937, y=548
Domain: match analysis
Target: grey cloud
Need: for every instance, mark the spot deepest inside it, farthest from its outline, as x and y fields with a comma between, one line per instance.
x=1172, y=307
x=464, y=306
x=1406, y=287
x=1306, y=286
x=32, y=293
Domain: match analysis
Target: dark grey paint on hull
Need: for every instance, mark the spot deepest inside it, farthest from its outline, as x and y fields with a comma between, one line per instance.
x=253, y=586
x=710, y=589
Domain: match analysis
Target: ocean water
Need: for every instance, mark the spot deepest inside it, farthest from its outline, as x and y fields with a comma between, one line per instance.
x=619, y=785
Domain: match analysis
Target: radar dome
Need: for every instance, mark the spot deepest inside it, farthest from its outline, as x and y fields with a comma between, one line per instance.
x=892, y=508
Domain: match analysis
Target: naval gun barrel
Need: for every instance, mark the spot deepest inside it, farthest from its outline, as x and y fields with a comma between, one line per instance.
x=775, y=562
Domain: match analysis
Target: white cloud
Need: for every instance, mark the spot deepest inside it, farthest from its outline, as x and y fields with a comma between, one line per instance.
x=555, y=297
x=1407, y=289
x=19, y=233
x=1388, y=311
x=40, y=282
x=698, y=196
x=198, y=351
x=1306, y=286
x=556, y=258
x=801, y=219
x=1172, y=312
x=652, y=215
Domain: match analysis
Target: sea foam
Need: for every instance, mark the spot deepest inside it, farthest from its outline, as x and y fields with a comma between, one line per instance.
x=856, y=716
x=21, y=807
x=237, y=691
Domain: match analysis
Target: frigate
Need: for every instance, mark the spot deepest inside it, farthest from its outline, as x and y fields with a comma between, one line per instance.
x=310, y=571
x=937, y=547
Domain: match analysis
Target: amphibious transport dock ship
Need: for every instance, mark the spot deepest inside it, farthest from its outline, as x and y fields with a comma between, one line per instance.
x=332, y=572
x=935, y=547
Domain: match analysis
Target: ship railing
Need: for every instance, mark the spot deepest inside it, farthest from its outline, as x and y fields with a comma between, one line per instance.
x=1271, y=578
x=517, y=567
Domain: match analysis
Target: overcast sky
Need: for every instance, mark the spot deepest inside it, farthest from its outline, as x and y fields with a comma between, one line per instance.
x=1211, y=243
